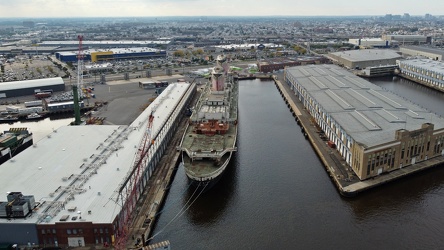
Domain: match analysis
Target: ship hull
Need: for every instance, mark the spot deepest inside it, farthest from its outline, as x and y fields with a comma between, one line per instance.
x=205, y=182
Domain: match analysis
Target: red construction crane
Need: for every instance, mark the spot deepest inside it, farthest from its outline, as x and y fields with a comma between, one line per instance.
x=133, y=194
x=75, y=88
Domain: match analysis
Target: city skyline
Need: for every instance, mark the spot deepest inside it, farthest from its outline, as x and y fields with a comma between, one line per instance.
x=157, y=8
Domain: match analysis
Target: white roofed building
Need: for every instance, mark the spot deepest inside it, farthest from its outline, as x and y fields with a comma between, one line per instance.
x=30, y=87
x=369, y=42
x=80, y=177
x=360, y=59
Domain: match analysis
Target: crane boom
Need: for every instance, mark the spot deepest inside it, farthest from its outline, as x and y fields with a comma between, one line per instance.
x=133, y=194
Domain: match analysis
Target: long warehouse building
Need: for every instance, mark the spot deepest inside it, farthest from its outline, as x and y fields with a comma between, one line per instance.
x=429, y=52
x=30, y=87
x=424, y=71
x=361, y=59
x=97, y=55
x=71, y=188
x=374, y=130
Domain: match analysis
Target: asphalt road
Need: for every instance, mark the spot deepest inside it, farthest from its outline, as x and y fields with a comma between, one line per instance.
x=125, y=99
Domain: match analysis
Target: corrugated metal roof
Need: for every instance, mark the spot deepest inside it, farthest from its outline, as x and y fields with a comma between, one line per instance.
x=436, y=66
x=367, y=55
x=89, y=161
x=38, y=83
x=437, y=51
x=115, y=51
x=369, y=114
x=86, y=43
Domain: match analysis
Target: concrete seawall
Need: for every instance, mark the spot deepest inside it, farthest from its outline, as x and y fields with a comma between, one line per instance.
x=423, y=83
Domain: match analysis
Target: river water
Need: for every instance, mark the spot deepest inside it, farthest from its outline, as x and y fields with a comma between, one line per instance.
x=39, y=128
x=277, y=195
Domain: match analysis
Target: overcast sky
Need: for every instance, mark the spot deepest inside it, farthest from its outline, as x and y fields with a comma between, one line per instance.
x=119, y=8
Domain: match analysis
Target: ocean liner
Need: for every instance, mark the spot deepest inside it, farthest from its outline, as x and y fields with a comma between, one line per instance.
x=210, y=137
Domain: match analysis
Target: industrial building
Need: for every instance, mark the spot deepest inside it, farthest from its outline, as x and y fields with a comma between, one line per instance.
x=31, y=50
x=431, y=53
x=407, y=39
x=366, y=43
x=275, y=64
x=248, y=46
x=30, y=87
x=85, y=181
x=97, y=55
x=360, y=59
x=105, y=44
x=425, y=71
x=374, y=130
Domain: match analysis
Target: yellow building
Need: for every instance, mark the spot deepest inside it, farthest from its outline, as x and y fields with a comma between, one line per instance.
x=408, y=148
x=101, y=56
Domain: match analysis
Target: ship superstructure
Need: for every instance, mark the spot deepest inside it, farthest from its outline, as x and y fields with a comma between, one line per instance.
x=210, y=138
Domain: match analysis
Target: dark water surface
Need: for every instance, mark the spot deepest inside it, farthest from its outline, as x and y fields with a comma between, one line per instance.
x=277, y=195
x=39, y=128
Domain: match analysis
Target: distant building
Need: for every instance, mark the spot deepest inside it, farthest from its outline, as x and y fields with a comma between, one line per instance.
x=360, y=59
x=375, y=131
x=364, y=43
x=425, y=71
x=30, y=87
x=428, y=16
x=97, y=55
x=407, y=39
x=275, y=64
x=431, y=53
x=28, y=24
x=20, y=50
x=105, y=44
x=248, y=46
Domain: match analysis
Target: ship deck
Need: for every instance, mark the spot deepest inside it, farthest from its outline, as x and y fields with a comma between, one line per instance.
x=202, y=168
x=209, y=145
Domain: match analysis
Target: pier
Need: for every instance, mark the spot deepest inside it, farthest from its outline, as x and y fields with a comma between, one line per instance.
x=152, y=200
x=346, y=181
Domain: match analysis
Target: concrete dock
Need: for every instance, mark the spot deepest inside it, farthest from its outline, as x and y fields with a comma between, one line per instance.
x=152, y=200
x=343, y=177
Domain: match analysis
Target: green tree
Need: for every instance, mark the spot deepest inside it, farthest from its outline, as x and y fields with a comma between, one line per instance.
x=179, y=53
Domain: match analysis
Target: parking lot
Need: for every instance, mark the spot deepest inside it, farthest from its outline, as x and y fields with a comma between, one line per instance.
x=29, y=67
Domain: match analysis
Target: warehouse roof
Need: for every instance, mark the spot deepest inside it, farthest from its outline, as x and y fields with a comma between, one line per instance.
x=368, y=113
x=79, y=168
x=248, y=45
x=38, y=83
x=367, y=55
x=431, y=50
x=436, y=66
x=115, y=51
x=295, y=59
x=107, y=43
